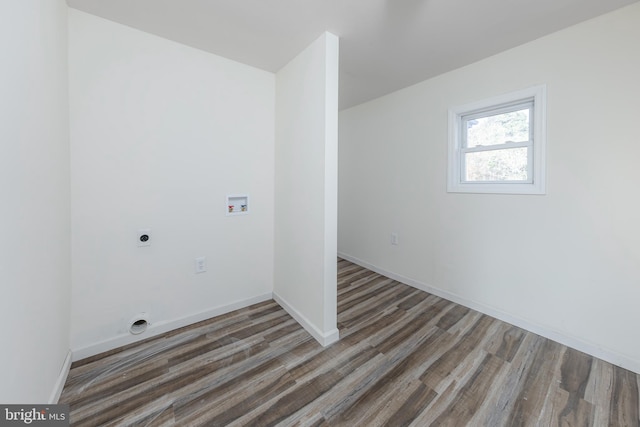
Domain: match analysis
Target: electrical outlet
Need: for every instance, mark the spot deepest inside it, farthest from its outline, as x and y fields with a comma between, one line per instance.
x=201, y=264
x=394, y=238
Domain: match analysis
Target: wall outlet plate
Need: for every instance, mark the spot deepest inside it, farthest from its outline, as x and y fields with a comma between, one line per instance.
x=201, y=264
x=394, y=238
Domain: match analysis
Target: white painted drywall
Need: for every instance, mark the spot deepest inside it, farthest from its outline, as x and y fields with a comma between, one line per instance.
x=306, y=187
x=160, y=134
x=568, y=262
x=35, y=276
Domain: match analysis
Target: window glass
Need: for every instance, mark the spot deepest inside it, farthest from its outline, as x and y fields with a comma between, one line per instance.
x=498, y=129
x=497, y=165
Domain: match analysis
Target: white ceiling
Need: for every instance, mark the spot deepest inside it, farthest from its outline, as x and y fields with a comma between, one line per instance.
x=385, y=45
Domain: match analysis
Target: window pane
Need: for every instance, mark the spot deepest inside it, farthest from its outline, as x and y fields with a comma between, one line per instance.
x=498, y=129
x=497, y=165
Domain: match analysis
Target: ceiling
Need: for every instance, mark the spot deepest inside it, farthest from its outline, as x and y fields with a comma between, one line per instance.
x=385, y=45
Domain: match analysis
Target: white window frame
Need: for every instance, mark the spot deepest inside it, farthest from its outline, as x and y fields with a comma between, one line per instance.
x=536, y=182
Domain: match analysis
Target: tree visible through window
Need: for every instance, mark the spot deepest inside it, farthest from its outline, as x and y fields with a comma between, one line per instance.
x=505, y=130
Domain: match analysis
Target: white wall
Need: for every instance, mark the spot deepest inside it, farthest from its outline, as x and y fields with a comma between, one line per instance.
x=160, y=134
x=566, y=264
x=34, y=199
x=306, y=187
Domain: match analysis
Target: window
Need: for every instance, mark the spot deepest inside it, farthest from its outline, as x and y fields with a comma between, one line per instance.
x=498, y=145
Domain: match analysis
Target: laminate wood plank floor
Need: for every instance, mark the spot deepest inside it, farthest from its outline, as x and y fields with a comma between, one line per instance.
x=405, y=357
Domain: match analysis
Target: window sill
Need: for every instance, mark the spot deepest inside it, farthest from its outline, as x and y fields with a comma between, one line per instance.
x=524, y=189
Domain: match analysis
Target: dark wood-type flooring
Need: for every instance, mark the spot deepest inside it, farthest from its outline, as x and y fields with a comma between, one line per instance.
x=405, y=357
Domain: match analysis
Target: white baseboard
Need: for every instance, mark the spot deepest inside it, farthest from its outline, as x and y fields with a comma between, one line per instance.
x=62, y=379
x=158, y=328
x=542, y=330
x=324, y=338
